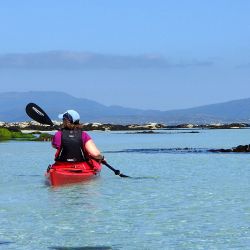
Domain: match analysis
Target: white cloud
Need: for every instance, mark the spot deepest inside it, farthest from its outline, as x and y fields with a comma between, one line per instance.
x=85, y=60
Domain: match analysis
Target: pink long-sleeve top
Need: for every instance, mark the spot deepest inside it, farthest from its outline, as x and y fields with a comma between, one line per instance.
x=57, y=139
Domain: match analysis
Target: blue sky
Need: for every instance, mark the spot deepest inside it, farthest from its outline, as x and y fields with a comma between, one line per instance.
x=148, y=54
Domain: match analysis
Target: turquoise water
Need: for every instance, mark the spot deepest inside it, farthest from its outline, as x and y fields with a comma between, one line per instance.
x=177, y=200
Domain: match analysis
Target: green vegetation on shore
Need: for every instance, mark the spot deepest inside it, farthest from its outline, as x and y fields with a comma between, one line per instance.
x=6, y=134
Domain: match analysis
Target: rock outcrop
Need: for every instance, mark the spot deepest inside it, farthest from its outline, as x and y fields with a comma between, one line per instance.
x=238, y=149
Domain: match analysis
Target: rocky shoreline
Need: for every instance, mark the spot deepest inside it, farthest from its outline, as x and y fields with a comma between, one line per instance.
x=32, y=125
x=32, y=131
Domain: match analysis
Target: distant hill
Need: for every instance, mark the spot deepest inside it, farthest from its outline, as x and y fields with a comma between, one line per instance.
x=232, y=111
x=13, y=109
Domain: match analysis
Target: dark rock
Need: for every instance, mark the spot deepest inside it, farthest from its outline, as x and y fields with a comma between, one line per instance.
x=226, y=126
x=242, y=148
x=221, y=150
x=14, y=129
x=238, y=149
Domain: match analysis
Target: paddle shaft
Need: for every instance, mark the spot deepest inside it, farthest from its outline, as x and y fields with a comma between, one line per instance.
x=110, y=167
x=116, y=171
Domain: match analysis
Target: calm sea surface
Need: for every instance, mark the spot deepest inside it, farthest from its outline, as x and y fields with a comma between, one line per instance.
x=177, y=200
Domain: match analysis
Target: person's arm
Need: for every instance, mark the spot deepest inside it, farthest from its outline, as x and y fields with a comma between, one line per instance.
x=93, y=151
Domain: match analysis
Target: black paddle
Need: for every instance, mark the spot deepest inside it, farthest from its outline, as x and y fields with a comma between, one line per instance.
x=116, y=171
x=37, y=114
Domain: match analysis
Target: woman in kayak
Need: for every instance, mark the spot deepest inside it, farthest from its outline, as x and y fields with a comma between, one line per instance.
x=73, y=144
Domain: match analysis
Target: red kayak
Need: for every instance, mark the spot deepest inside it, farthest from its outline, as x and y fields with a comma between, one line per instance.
x=61, y=173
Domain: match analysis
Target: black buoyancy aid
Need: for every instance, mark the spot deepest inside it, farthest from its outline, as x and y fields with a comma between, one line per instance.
x=71, y=146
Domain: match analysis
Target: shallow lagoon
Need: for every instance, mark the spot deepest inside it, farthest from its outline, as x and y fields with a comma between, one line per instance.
x=176, y=201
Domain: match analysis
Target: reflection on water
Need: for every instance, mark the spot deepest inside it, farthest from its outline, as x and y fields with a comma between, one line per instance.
x=145, y=178
x=28, y=175
x=82, y=248
x=5, y=242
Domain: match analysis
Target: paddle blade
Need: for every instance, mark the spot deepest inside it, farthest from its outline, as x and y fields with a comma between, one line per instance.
x=123, y=175
x=37, y=114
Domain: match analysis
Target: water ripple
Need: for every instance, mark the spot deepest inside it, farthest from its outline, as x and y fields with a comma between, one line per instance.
x=82, y=248
x=5, y=242
x=160, y=150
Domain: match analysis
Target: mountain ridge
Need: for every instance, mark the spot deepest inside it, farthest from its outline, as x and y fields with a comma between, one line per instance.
x=55, y=102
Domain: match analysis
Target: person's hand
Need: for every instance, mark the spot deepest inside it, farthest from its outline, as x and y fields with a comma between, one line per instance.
x=99, y=158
